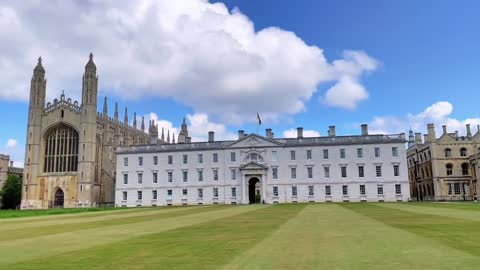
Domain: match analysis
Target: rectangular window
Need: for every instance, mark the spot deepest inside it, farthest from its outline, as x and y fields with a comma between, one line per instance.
x=345, y=190
x=154, y=194
x=450, y=189
x=170, y=159
x=274, y=156
x=140, y=178
x=125, y=162
x=394, y=151
x=155, y=160
x=200, y=158
x=275, y=191
x=362, y=190
x=234, y=192
x=234, y=174
x=377, y=152
x=170, y=177
x=139, y=195
x=359, y=152
x=155, y=177
x=342, y=153
x=292, y=155
x=361, y=171
x=328, y=190
x=344, y=171
x=140, y=161
x=294, y=191
x=215, y=157
x=215, y=192
x=380, y=190
x=293, y=173
x=378, y=170
x=184, y=192
x=396, y=170
x=325, y=154
x=309, y=154
x=310, y=172
x=215, y=175
x=398, y=189
x=456, y=188
x=233, y=157
x=185, y=176
x=200, y=193
x=274, y=173
x=169, y=193
x=125, y=178
x=200, y=175
x=326, y=172
x=185, y=159
x=310, y=191
x=124, y=195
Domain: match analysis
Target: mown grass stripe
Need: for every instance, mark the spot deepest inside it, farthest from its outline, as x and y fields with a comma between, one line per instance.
x=438, y=210
x=6, y=215
x=456, y=233
x=56, y=244
x=80, y=224
x=202, y=246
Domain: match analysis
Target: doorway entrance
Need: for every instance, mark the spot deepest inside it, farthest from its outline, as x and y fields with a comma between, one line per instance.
x=254, y=190
x=59, y=198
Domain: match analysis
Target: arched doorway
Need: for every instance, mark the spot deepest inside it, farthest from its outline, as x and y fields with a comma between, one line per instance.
x=254, y=190
x=59, y=199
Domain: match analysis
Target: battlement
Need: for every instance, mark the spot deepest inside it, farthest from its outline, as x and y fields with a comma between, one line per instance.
x=65, y=103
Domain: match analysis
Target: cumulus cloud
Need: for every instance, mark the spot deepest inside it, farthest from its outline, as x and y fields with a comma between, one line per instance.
x=438, y=113
x=292, y=133
x=195, y=52
x=11, y=143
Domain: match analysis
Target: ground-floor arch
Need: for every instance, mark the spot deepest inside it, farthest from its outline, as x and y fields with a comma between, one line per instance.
x=59, y=198
x=254, y=187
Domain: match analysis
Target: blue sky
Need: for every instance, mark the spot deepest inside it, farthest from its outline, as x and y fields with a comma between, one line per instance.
x=410, y=63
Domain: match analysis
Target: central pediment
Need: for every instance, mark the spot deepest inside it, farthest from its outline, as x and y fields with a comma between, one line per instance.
x=254, y=140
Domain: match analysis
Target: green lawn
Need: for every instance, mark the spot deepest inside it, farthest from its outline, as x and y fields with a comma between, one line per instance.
x=294, y=236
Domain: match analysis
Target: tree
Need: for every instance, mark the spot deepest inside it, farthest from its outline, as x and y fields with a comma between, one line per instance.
x=11, y=193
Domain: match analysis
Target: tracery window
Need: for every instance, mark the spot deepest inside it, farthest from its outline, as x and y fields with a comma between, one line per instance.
x=61, y=149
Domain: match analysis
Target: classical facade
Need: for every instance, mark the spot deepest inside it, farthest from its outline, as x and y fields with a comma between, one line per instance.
x=441, y=168
x=70, y=148
x=256, y=168
x=7, y=168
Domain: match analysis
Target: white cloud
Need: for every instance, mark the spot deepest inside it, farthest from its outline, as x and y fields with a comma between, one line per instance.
x=11, y=143
x=292, y=133
x=438, y=114
x=195, y=52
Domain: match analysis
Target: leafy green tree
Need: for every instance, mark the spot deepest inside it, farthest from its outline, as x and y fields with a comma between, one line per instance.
x=11, y=193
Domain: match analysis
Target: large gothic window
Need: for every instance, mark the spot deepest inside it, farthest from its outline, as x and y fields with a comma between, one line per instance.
x=61, y=149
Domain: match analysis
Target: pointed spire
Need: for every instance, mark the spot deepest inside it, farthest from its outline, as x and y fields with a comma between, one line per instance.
x=90, y=66
x=163, y=135
x=173, y=138
x=105, y=108
x=134, y=120
x=168, y=136
x=143, y=124
x=125, y=117
x=115, y=115
x=39, y=70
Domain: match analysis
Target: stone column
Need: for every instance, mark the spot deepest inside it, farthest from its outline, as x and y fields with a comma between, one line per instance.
x=243, y=189
x=264, y=187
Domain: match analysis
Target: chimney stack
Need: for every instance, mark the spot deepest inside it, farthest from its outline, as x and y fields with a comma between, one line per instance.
x=331, y=131
x=299, y=132
x=268, y=133
x=431, y=133
x=211, y=136
x=444, y=129
x=425, y=137
x=469, y=131
x=456, y=134
x=418, y=138
x=11, y=163
x=364, y=130
x=241, y=134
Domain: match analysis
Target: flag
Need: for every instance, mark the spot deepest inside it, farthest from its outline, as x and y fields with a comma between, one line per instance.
x=259, y=120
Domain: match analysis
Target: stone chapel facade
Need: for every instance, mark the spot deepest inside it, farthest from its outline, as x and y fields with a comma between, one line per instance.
x=70, y=158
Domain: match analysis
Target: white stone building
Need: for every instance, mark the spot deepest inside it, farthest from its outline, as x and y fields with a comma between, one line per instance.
x=255, y=168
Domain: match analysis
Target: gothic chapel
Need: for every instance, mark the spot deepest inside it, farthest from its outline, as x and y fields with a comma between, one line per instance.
x=70, y=154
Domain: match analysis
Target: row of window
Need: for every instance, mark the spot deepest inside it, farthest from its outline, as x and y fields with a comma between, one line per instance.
x=256, y=157
x=457, y=189
x=449, y=168
x=447, y=153
x=293, y=174
x=294, y=191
